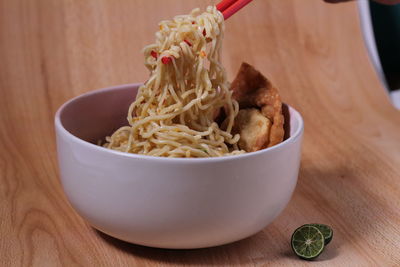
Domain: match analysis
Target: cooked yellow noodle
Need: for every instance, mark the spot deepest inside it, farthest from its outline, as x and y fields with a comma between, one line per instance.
x=173, y=114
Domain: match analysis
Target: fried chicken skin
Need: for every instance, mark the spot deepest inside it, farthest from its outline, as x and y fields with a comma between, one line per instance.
x=252, y=90
x=254, y=129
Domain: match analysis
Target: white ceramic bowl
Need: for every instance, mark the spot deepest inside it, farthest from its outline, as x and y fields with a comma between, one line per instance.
x=168, y=202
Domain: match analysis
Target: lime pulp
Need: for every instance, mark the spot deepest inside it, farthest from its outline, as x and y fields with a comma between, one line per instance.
x=307, y=242
x=325, y=230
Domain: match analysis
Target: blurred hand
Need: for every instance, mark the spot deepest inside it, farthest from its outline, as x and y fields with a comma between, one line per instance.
x=336, y=1
x=385, y=2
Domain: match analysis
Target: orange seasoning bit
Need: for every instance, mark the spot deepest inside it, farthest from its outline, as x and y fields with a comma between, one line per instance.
x=203, y=54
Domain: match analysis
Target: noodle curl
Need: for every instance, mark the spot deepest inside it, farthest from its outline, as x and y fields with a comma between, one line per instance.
x=174, y=111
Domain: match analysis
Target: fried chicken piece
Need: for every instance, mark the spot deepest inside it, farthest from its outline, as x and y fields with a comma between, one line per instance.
x=252, y=90
x=254, y=129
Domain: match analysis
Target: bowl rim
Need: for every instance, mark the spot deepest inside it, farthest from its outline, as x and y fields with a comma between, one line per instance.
x=60, y=129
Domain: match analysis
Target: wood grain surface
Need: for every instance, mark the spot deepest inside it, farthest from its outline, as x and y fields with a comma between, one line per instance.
x=52, y=50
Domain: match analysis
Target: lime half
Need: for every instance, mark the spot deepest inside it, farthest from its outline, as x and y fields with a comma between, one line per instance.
x=325, y=230
x=307, y=242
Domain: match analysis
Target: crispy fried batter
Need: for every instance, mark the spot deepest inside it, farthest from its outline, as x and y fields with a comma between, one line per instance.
x=252, y=90
x=254, y=129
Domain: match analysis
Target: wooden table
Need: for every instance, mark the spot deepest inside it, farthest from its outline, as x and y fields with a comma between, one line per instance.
x=53, y=50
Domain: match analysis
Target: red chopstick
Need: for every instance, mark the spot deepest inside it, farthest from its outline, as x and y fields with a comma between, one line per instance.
x=230, y=7
x=224, y=4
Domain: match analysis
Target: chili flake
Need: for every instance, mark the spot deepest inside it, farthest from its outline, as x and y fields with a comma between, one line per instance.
x=154, y=54
x=166, y=60
x=188, y=43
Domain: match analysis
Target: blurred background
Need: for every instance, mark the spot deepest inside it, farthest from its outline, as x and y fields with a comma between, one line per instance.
x=381, y=27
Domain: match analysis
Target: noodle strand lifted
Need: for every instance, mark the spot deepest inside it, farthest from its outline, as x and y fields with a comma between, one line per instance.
x=174, y=112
